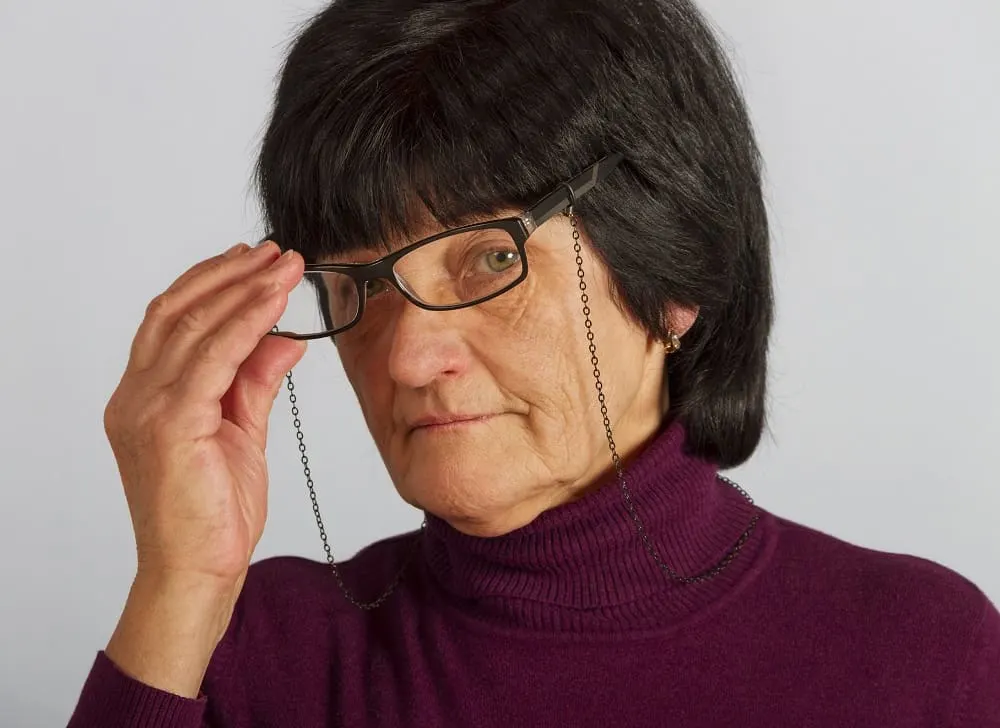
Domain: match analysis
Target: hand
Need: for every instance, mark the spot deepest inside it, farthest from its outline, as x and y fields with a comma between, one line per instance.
x=188, y=421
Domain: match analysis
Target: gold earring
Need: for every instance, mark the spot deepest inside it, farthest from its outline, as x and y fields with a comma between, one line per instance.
x=673, y=344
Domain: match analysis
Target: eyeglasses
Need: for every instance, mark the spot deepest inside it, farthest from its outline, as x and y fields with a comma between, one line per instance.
x=457, y=268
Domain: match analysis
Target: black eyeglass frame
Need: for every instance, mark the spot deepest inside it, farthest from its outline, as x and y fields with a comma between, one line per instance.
x=519, y=227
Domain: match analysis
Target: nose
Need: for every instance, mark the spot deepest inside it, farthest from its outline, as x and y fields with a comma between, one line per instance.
x=426, y=346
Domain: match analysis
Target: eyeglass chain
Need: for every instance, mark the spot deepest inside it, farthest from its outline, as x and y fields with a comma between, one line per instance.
x=626, y=493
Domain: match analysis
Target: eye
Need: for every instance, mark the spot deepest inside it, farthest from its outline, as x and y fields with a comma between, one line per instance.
x=500, y=260
x=375, y=287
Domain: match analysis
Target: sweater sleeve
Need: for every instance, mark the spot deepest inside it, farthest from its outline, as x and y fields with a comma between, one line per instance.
x=112, y=699
x=977, y=696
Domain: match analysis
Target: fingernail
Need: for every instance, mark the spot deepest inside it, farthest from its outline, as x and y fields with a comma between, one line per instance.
x=285, y=257
x=238, y=248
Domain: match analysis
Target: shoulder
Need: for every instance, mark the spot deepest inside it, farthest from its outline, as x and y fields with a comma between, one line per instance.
x=901, y=619
x=857, y=578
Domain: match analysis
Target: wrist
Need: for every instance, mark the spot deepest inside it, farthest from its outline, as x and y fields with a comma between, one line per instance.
x=170, y=628
x=204, y=601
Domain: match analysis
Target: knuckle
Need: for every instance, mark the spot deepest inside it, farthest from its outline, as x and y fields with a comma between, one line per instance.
x=275, y=286
x=267, y=292
x=211, y=352
x=192, y=321
x=260, y=286
x=112, y=415
x=159, y=306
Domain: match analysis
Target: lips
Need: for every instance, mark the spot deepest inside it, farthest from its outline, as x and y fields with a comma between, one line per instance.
x=447, y=419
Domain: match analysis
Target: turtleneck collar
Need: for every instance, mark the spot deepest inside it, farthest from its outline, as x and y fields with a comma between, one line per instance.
x=583, y=564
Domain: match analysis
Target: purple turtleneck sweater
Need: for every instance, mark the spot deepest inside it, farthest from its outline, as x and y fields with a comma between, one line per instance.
x=569, y=622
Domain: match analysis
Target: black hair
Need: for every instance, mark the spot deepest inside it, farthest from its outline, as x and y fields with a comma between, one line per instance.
x=465, y=107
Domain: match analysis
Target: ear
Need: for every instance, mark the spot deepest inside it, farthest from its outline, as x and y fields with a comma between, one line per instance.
x=681, y=318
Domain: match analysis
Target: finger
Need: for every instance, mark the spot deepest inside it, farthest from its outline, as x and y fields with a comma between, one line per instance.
x=212, y=365
x=249, y=400
x=203, y=320
x=201, y=281
x=195, y=270
x=143, y=342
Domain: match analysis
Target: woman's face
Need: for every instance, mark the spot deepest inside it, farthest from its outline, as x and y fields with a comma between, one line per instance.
x=522, y=361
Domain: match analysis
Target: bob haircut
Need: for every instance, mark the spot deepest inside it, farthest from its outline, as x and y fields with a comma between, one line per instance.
x=386, y=110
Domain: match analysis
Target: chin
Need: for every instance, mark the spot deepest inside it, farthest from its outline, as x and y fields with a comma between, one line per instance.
x=475, y=497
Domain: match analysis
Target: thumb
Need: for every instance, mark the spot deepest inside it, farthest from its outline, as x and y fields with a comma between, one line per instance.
x=249, y=400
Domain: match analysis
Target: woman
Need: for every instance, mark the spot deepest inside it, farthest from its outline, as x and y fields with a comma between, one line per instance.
x=536, y=235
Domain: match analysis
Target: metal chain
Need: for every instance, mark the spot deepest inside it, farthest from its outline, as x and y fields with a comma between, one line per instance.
x=319, y=520
x=626, y=494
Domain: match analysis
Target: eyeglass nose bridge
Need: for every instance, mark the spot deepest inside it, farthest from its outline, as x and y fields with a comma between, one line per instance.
x=384, y=270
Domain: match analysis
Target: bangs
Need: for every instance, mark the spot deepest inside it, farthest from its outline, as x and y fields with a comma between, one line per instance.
x=387, y=126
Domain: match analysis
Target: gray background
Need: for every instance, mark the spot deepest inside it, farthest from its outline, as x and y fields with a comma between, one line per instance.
x=127, y=132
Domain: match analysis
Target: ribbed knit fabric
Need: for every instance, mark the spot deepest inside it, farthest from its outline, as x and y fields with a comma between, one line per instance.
x=583, y=566
x=569, y=621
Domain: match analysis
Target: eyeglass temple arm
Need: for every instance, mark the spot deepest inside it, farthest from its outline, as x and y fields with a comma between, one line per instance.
x=559, y=199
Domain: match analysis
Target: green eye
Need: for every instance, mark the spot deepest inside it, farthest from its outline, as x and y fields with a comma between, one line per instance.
x=500, y=260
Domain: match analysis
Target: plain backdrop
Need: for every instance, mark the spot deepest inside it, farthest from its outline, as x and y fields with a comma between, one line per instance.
x=127, y=134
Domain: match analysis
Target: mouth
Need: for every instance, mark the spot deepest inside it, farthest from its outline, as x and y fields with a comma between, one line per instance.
x=452, y=424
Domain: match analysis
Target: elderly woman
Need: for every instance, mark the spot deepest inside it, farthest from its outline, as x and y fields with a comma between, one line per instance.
x=535, y=233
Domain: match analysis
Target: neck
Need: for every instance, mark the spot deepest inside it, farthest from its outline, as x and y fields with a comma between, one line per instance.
x=582, y=563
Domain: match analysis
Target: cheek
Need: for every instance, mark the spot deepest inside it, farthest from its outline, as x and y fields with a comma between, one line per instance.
x=527, y=336
x=537, y=353
x=370, y=381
